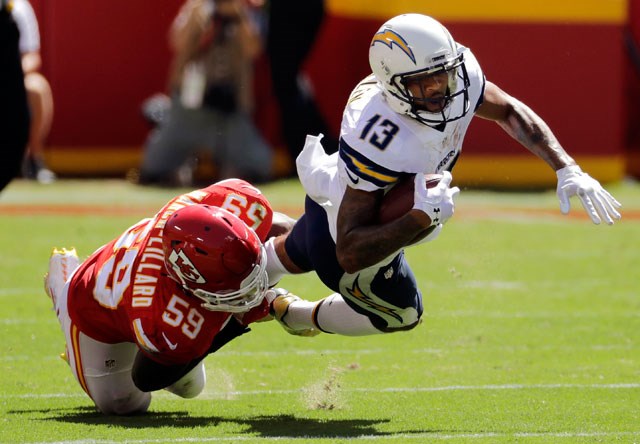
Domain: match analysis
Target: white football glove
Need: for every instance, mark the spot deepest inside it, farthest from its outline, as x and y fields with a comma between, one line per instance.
x=436, y=202
x=597, y=202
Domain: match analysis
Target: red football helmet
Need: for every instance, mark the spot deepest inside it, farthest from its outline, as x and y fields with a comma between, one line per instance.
x=216, y=257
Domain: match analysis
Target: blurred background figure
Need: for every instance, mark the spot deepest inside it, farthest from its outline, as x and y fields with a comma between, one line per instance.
x=214, y=44
x=293, y=26
x=39, y=93
x=14, y=125
x=631, y=91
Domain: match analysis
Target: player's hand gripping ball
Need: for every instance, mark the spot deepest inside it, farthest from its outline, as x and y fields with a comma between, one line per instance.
x=400, y=199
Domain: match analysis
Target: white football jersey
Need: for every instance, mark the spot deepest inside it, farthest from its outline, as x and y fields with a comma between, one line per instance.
x=379, y=146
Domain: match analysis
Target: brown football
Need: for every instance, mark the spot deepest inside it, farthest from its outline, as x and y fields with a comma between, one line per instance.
x=399, y=199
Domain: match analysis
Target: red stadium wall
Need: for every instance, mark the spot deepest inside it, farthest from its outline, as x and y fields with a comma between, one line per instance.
x=102, y=59
x=565, y=58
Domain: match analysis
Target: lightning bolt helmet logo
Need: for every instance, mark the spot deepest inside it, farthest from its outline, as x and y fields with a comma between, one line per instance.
x=390, y=38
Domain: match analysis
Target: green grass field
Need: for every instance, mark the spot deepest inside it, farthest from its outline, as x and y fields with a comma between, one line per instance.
x=531, y=334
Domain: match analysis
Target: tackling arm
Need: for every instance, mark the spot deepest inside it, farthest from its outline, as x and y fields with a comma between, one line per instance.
x=149, y=375
x=281, y=224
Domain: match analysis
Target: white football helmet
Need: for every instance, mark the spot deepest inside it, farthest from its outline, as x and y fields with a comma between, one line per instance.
x=410, y=46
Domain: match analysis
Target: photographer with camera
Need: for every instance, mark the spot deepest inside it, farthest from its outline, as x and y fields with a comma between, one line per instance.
x=215, y=43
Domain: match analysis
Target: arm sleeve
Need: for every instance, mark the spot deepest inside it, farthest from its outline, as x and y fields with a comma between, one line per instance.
x=27, y=22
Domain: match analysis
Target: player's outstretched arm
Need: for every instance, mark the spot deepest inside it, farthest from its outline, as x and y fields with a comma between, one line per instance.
x=524, y=125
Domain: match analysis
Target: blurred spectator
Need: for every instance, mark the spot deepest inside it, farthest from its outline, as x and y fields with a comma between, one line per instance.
x=38, y=93
x=215, y=43
x=632, y=89
x=14, y=129
x=292, y=30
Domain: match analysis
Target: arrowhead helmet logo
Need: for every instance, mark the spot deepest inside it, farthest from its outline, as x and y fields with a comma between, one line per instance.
x=185, y=268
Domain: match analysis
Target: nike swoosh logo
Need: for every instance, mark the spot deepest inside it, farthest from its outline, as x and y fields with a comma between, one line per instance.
x=171, y=345
x=351, y=178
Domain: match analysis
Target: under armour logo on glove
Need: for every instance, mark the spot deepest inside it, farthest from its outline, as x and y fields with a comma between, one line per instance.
x=436, y=202
x=435, y=219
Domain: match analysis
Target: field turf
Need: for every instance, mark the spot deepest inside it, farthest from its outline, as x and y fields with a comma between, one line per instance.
x=531, y=334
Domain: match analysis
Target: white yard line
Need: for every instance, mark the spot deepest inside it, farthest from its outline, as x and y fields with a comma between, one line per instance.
x=408, y=436
x=436, y=315
x=360, y=352
x=489, y=387
x=372, y=351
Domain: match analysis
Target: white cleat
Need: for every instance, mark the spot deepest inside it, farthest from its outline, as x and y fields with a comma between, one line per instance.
x=62, y=263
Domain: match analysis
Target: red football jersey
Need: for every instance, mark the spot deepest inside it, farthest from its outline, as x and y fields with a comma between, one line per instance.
x=122, y=293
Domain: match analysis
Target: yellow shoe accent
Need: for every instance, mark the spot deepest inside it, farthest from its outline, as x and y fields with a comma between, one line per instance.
x=280, y=308
x=62, y=262
x=46, y=286
x=64, y=251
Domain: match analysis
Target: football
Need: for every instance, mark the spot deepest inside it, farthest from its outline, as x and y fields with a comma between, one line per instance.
x=399, y=199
